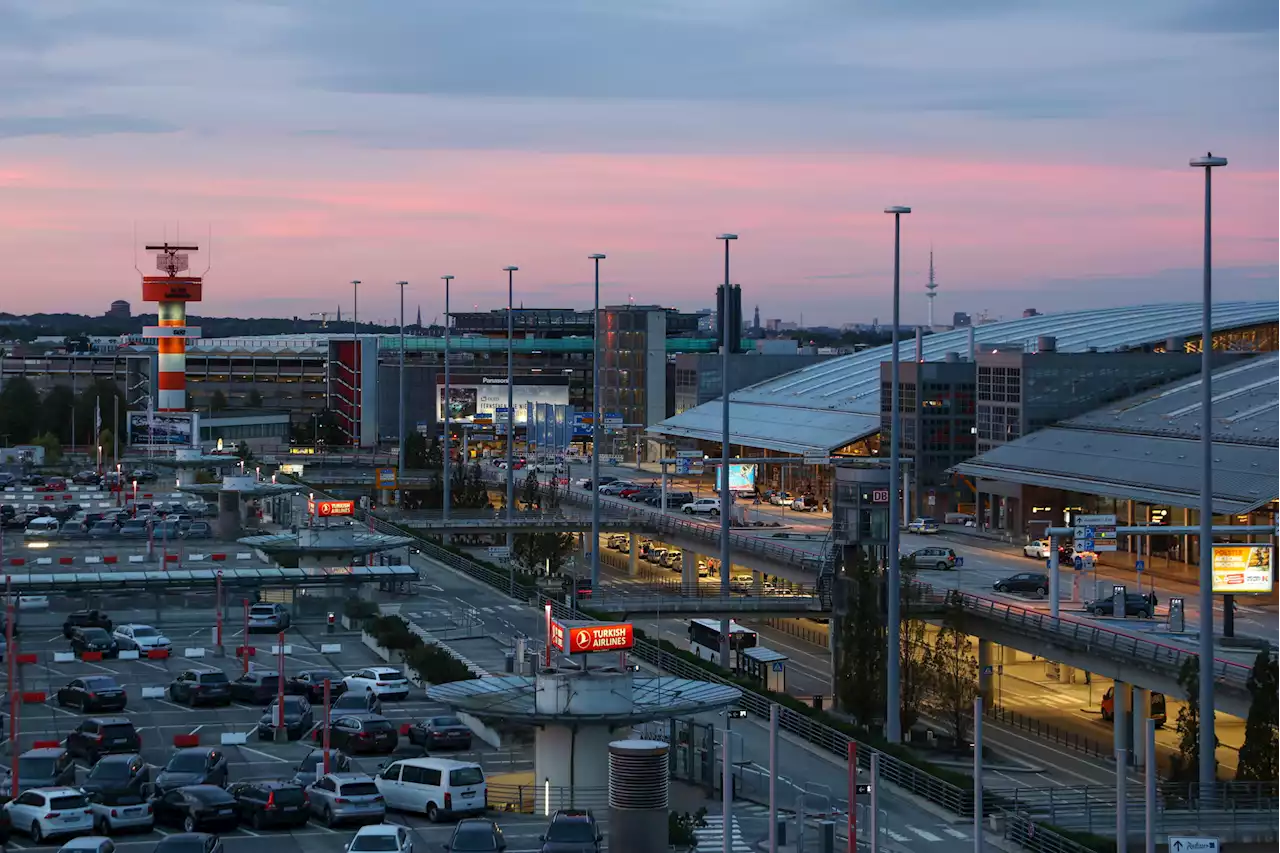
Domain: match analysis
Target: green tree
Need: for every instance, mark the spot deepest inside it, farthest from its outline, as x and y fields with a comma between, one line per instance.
x=107, y=441
x=542, y=550
x=255, y=399
x=1184, y=766
x=415, y=451
x=531, y=491
x=243, y=451
x=52, y=447
x=19, y=411
x=435, y=455
x=217, y=401
x=953, y=673
x=913, y=671
x=1258, y=753
x=103, y=394
x=861, y=641
x=56, y=413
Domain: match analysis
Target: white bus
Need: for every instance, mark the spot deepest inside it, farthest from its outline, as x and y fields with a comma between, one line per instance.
x=704, y=640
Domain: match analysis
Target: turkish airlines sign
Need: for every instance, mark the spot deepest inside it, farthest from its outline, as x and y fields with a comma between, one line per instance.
x=327, y=509
x=584, y=639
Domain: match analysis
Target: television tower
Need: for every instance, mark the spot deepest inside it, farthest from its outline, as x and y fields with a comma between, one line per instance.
x=932, y=287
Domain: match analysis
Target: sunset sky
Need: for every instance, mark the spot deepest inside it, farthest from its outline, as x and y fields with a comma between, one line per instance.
x=1043, y=146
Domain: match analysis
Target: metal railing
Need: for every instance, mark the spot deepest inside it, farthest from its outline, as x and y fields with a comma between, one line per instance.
x=1048, y=731
x=544, y=799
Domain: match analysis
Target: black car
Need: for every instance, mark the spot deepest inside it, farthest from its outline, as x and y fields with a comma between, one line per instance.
x=298, y=718
x=194, y=765
x=117, y=780
x=86, y=619
x=440, y=733
x=256, y=687
x=310, y=683
x=271, y=803
x=87, y=478
x=355, y=703
x=189, y=842
x=99, y=736
x=197, y=808
x=1135, y=604
x=930, y=558
x=201, y=687
x=476, y=835
x=94, y=640
x=46, y=767
x=93, y=693
x=354, y=733
x=572, y=831
x=1035, y=583
x=674, y=499
x=305, y=773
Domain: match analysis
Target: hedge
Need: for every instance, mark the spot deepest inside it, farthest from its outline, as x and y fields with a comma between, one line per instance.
x=431, y=663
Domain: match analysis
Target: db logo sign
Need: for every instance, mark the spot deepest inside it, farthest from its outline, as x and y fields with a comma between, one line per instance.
x=880, y=496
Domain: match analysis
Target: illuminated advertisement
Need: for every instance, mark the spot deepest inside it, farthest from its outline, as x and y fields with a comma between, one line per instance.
x=1242, y=569
x=329, y=509
x=742, y=477
x=578, y=638
x=169, y=429
x=473, y=397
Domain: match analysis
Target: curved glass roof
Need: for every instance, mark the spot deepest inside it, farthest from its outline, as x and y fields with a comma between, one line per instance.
x=833, y=403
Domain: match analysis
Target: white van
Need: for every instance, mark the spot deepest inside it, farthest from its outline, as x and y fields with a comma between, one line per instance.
x=437, y=787
x=44, y=527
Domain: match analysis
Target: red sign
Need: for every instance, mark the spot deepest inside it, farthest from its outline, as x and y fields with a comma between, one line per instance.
x=325, y=509
x=163, y=288
x=583, y=639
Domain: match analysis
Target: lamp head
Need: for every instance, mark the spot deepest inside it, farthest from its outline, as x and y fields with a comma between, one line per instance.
x=897, y=209
x=510, y=269
x=401, y=283
x=595, y=257
x=1208, y=161
x=447, y=278
x=727, y=237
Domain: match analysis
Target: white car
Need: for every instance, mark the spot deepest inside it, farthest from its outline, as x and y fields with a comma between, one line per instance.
x=143, y=638
x=616, y=487
x=381, y=838
x=46, y=812
x=385, y=682
x=1038, y=549
x=922, y=525
x=702, y=506
x=33, y=602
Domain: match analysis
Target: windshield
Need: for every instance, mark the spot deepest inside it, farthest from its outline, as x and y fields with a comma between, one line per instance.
x=100, y=682
x=466, y=776
x=262, y=610
x=40, y=768
x=474, y=839
x=110, y=770
x=144, y=631
x=374, y=842
x=213, y=678
x=95, y=634
x=187, y=762
x=570, y=830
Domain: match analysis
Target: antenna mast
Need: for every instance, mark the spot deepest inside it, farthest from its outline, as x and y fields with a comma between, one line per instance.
x=932, y=286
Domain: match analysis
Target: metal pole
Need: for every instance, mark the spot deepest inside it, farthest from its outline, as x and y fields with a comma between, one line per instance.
x=400, y=431
x=977, y=774
x=875, y=802
x=893, y=696
x=511, y=420
x=355, y=365
x=325, y=731
x=448, y=414
x=282, y=733
x=1122, y=804
x=244, y=640
x=852, y=817
x=1208, y=759
x=726, y=784
x=595, y=432
x=1149, y=783
x=773, y=779
x=218, y=606
x=1054, y=583
x=726, y=496
x=115, y=428
x=12, y=655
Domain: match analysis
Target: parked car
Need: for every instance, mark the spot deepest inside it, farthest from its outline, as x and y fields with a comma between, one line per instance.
x=311, y=767
x=116, y=788
x=1159, y=712
x=1039, y=550
x=342, y=797
x=385, y=682
x=94, y=640
x=189, y=842
x=922, y=525
x=353, y=733
x=196, y=808
x=476, y=835
x=1024, y=582
x=1135, y=604
x=310, y=683
x=440, y=733
x=616, y=487
x=93, y=693
x=193, y=765
x=89, y=843
x=271, y=803
x=141, y=638
x=197, y=530
x=571, y=831
x=674, y=499
x=134, y=528
x=47, y=812
x=86, y=619
x=47, y=767
x=381, y=838
x=99, y=736
x=702, y=506
x=437, y=787
x=940, y=559
x=268, y=617
x=257, y=687
x=86, y=478
x=104, y=530
x=72, y=529
x=298, y=718
x=201, y=687
x=355, y=703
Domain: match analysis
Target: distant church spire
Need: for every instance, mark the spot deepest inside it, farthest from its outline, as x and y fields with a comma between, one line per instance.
x=339, y=320
x=419, y=323
x=756, y=322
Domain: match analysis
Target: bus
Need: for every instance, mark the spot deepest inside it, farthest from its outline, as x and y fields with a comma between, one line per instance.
x=704, y=640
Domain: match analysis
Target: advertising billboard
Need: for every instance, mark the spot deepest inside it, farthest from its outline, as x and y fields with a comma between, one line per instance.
x=1242, y=569
x=471, y=396
x=581, y=638
x=330, y=509
x=742, y=477
x=166, y=429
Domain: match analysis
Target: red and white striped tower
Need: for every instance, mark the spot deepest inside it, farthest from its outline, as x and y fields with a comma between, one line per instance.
x=172, y=292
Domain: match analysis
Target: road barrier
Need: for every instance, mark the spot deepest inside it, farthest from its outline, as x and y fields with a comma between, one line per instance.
x=183, y=741
x=233, y=738
x=330, y=648
x=193, y=653
x=153, y=692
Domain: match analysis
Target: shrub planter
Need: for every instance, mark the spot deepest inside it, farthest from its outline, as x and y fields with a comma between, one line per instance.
x=371, y=642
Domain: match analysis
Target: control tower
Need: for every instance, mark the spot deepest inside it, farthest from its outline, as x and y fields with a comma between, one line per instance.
x=171, y=292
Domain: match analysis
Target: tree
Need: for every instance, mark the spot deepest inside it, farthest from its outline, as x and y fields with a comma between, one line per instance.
x=243, y=451
x=217, y=401
x=861, y=646
x=52, y=447
x=552, y=500
x=255, y=399
x=107, y=441
x=57, y=410
x=913, y=671
x=19, y=411
x=1258, y=762
x=542, y=550
x=531, y=491
x=953, y=672
x=1184, y=766
x=435, y=454
x=415, y=451
x=103, y=395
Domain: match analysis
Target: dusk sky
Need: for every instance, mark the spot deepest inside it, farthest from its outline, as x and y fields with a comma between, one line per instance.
x=1043, y=146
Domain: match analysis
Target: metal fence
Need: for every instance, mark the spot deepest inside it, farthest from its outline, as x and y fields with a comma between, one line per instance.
x=1048, y=731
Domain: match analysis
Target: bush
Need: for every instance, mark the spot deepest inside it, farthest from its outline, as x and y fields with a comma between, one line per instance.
x=392, y=632
x=359, y=609
x=434, y=665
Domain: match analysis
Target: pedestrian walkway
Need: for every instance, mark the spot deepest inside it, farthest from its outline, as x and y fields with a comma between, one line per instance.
x=711, y=837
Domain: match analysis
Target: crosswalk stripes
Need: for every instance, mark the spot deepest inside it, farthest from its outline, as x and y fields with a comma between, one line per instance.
x=924, y=834
x=711, y=837
x=954, y=833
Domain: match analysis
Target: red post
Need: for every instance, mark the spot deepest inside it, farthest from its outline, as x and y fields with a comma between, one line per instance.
x=325, y=730
x=548, y=610
x=244, y=641
x=853, y=797
x=135, y=499
x=12, y=653
x=217, y=604
x=280, y=680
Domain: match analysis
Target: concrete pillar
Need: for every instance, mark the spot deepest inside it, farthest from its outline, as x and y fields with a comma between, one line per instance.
x=757, y=581
x=1122, y=703
x=986, y=668
x=1138, y=733
x=633, y=554
x=1067, y=674
x=688, y=571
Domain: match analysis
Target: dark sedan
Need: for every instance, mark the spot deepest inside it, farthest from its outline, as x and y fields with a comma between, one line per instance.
x=256, y=688
x=194, y=765
x=93, y=640
x=354, y=733
x=116, y=778
x=440, y=733
x=197, y=808
x=93, y=693
x=310, y=683
x=269, y=803
x=1035, y=583
x=298, y=718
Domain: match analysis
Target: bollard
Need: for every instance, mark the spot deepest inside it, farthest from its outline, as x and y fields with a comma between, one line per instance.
x=782, y=831
x=330, y=626
x=827, y=836
x=511, y=662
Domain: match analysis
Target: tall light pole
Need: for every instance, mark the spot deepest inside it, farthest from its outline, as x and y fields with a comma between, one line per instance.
x=595, y=431
x=726, y=497
x=893, y=693
x=448, y=443
x=400, y=431
x=355, y=364
x=1208, y=742
x=511, y=409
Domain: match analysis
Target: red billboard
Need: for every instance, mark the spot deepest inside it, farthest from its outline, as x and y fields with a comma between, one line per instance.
x=326, y=509
x=584, y=639
x=163, y=288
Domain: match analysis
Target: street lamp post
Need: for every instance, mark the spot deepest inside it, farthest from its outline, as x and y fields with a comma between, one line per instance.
x=893, y=694
x=1208, y=758
x=448, y=442
x=355, y=365
x=726, y=496
x=595, y=431
x=400, y=431
x=511, y=414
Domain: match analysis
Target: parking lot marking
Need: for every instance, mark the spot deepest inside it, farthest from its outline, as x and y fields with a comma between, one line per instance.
x=173, y=705
x=244, y=748
x=196, y=729
x=103, y=668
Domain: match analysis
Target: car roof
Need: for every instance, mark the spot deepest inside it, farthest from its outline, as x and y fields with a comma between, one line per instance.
x=431, y=761
x=384, y=669
x=189, y=749
x=379, y=829
x=348, y=777
x=119, y=758
x=57, y=791
x=111, y=721
x=365, y=716
x=43, y=752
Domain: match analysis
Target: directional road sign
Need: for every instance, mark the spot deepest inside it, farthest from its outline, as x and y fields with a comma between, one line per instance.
x=1095, y=533
x=1193, y=844
x=1139, y=565
x=689, y=454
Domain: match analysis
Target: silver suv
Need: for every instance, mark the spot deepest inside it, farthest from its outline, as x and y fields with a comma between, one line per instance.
x=341, y=797
x=268, y=617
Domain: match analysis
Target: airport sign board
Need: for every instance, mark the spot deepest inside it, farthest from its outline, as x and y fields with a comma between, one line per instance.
x=1194, y=844
x=1094, y=533
x=1242, y=569
x=385, y=478
x=330, y=509
x=576, y=638
x=689, y=454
